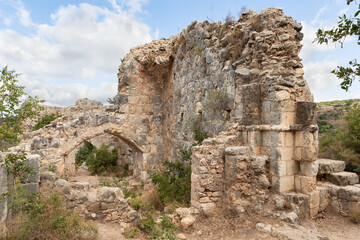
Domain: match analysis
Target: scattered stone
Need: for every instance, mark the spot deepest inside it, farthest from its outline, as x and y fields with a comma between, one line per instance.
x=289, y=217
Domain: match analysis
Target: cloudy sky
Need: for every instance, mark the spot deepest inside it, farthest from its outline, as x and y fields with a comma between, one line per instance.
x=67, y=49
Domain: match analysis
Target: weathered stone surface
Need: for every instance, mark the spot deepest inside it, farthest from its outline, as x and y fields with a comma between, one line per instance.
x=305, y=113
x=108, y=194
x=330, y=166
x=349, y=193
x=290, y=217
x=343, y=178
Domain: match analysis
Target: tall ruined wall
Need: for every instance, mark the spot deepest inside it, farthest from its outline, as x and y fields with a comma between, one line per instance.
x=252, y=65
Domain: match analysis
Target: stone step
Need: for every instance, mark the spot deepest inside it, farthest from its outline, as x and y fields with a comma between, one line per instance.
x=343, y=178
x=330, y=166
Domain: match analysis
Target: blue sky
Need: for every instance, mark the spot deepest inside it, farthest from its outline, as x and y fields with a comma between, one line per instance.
x=71, y=49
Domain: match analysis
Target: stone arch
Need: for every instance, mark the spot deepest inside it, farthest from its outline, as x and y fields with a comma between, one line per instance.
x=110, y=128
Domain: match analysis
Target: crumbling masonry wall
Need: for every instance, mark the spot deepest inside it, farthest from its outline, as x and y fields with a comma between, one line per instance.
x=252, y=66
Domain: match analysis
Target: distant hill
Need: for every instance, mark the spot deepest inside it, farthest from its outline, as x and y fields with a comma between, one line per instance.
x=331, y=114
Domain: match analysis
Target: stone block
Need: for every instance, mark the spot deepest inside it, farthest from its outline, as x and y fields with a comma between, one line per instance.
x=289, y=139
x=238, y=150
x=309, y=168
x=292, y=167
x=283, y=183
x=330, y=166
x=34, y=163
x=286, y=153
x=208, y=208
x=288, y=118
x=3, y=211
x=31, y=188
x=314, y=201
x=349, y=193
x=343, y=178
x=305, y=184
x=306, y=113
x=324, y=197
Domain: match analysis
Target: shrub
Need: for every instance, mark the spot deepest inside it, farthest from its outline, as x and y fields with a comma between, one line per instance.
x=102, y=160
x=46, y=218
x=132, y=232
x=343, y=143
x=195, y=126
x=45, y=120
x=174, y=183
x=217, y=100
x=84, y=152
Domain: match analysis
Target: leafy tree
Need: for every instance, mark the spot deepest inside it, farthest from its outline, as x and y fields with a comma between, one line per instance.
x=102, y=160
x=15, y=107
x=347, y=26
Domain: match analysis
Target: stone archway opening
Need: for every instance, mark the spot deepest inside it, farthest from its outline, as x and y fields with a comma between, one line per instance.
x=130, y=154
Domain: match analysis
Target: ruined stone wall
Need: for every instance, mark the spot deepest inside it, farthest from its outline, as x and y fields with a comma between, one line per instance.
x=242, y=75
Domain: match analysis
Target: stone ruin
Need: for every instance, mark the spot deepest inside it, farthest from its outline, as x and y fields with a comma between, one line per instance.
x=241, y=83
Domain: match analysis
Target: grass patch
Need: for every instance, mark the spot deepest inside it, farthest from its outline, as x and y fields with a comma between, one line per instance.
x=46, y=218
x=45, y=120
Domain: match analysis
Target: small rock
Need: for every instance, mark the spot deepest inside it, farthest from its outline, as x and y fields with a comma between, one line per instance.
x=181, y=236
x=199, y=232
x=279, y=203
x=187, y=221
x=289, y=217
x=263, y=228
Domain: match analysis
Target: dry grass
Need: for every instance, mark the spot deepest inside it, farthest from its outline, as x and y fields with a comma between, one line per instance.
x=256, y=24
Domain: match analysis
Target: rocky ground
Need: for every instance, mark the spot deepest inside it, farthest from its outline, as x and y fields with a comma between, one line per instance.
x=226, y=225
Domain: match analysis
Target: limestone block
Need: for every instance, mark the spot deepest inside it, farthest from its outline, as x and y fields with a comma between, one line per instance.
x=288, y=118
x=324, y=197
x=305, y=184
x=314, y=201
x=309, y=168
x=238, y=150
x=3, y=211
x=289, y=139
x=109, y=194
x=305, y=113
x=286, y=153
x=330, y=166
x=208, y=208
x=31, y=188
x=292, y=167
x=258, y=163
x=343, y=178
x=349, y=193
x=283, y=183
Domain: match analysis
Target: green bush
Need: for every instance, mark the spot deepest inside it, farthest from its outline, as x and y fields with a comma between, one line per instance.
x=343, y=143
x=84, y=152
x=131, y=232
x=102, y=160
x=45, y=120
x=46, y=218
x=98, y=160
x=217, y=100
x=174, y=182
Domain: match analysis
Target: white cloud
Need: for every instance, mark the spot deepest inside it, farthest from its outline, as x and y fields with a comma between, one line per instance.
x=68, y=58
x=318, y=73
x=317, y=19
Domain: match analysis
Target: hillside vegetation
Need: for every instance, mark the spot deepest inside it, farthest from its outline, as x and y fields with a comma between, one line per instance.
x=339, y=131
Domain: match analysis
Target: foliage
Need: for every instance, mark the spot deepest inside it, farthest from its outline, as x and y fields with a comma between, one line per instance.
x=195, y=126
x=52, y=168
x=162, y=230
x=45, y=120
x=135, y=203
x=132, y=232
x=347, y=26
x=217, y=100
x=343, y=143
x=98, y=160
x=15, y=107
x=324, y=126
x=47, y=218
x=174, y=182
x=83, y=153
x=102, y=160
